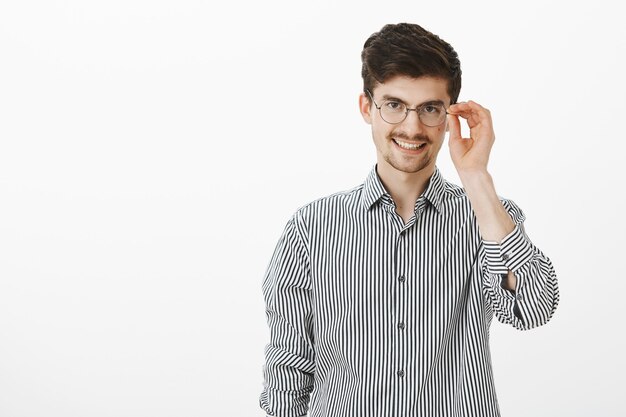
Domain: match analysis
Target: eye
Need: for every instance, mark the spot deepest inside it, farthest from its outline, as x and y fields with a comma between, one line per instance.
x=432, y=109
x=394, y=106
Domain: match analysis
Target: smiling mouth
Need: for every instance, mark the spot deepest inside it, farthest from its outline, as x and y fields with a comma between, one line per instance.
x=409, y=146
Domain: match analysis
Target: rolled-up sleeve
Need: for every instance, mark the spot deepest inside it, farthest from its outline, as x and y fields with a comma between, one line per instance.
x=289, y=356
x=536, y=295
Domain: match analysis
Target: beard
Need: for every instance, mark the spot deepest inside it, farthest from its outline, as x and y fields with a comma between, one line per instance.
x=410, y=167
x=408, y=163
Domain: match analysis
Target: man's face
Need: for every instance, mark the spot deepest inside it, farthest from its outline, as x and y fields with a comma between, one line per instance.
x=396, y=143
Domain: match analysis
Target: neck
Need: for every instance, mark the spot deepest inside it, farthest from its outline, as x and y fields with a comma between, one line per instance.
x=404, y=187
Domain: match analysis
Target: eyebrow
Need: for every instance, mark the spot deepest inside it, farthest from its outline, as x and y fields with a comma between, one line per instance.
x=392, y=98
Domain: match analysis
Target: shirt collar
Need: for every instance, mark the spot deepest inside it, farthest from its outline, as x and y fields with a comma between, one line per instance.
x=374, y=190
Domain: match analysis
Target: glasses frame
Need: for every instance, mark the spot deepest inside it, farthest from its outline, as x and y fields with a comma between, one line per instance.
x=417, y=110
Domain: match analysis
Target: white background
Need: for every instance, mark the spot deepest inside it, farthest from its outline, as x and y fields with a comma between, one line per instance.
x=152, y=152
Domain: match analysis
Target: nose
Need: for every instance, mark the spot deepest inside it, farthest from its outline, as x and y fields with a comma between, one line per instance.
x=412, y=123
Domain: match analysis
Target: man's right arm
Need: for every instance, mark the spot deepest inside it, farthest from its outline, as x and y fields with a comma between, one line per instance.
x=289, y=356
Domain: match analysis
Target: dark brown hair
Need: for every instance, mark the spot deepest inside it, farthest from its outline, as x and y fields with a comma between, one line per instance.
x=410, y=50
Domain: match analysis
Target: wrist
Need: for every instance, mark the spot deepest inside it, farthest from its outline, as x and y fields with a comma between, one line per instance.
x=474, y=175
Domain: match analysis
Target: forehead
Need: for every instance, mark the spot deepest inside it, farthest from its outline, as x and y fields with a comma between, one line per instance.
x=414, y=90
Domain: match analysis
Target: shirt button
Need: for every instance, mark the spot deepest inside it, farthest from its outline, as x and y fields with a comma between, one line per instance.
x=401, y=373
x=520, y=297
x=401, y=279
x=401, y=325
x=505, y=257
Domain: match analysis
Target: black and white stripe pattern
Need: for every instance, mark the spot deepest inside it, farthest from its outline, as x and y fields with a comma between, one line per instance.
x=372, y=317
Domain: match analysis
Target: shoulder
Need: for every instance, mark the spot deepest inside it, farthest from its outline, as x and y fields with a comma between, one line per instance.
x=330, y=205
x=452, y=191
x=455, y=196
x=346, y=198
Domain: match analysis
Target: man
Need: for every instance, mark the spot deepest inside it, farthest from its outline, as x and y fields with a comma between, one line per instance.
x=379, y=299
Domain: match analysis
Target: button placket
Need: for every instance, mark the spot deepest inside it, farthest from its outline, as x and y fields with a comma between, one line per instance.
x=400, y=308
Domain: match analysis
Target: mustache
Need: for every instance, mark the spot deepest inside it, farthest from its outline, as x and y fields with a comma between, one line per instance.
x=405, y=137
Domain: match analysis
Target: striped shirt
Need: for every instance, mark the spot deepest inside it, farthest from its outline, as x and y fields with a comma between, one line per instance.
x=372, y=317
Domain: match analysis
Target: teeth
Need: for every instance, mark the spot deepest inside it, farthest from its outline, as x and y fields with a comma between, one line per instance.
x=408, y=145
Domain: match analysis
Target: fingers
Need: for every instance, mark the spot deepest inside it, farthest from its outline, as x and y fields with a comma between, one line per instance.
x=454, y=125
x=473, y=112
x=468, y=106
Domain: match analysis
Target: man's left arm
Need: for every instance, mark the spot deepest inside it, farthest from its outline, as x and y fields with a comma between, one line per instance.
x=527, y=294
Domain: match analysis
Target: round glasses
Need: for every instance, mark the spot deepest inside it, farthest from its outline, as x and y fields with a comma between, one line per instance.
x=393, y=111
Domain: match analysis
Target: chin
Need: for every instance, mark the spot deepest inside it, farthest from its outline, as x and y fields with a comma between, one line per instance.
x=410, y=168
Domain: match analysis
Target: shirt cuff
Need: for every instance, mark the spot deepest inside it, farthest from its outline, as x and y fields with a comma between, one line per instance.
x=510, y=254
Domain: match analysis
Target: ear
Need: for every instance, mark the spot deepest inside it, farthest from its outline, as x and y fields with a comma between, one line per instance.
x=365, y=108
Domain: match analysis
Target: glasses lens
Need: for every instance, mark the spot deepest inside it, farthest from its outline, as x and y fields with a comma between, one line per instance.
x=392, y=111
x=432, y=114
